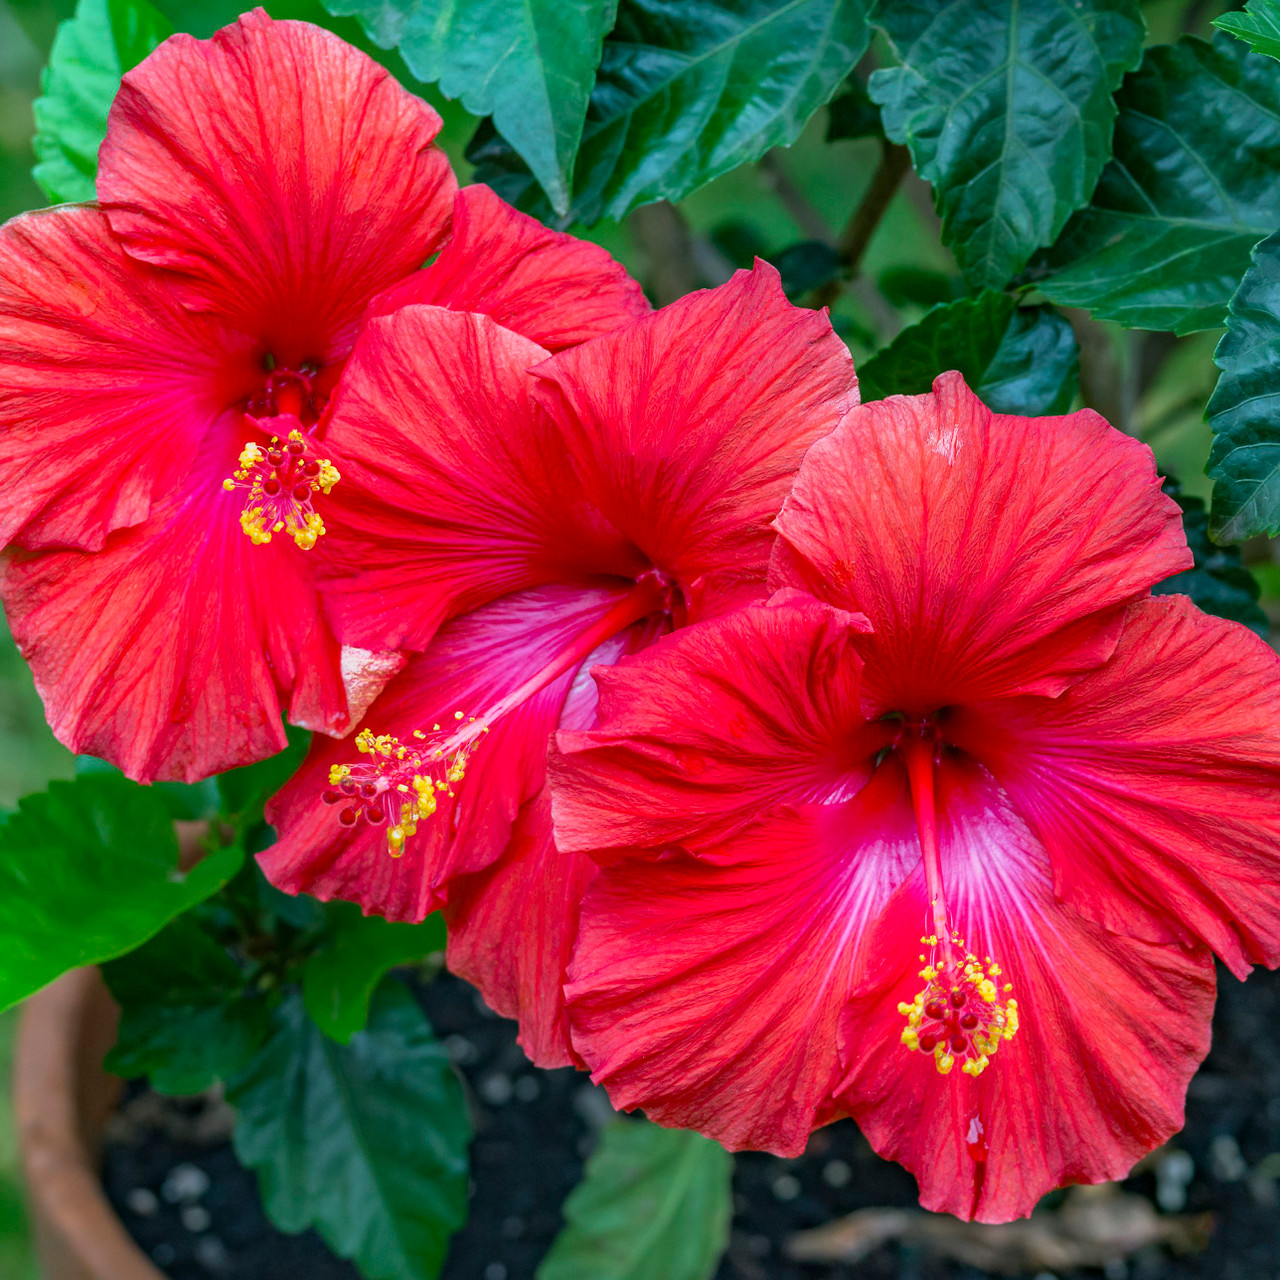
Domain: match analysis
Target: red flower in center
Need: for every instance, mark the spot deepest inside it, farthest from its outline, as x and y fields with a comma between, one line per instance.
x=945, y=847
x=261, y=192
x=511, y=530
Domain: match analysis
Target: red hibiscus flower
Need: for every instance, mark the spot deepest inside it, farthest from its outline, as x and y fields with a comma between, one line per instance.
x=945, y=848
x=512, y=531
x=258, y=192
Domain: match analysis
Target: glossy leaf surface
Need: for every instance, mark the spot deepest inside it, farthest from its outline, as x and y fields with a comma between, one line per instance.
x=91, y=52
x=687, y=91
x=1018, y=360
x=366, y=1142
x=654, y=1204
x=88, y=871
x=527, y=63
x=1244, y=411
x=1194, y=184
x=1006, y=106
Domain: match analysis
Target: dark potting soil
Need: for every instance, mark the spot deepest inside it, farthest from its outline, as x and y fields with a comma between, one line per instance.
x=170, y=1172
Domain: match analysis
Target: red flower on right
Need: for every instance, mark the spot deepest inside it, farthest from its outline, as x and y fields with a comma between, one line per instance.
x=943, y=836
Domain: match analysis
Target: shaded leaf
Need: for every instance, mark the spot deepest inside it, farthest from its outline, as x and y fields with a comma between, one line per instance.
x=1017, y=360
x=687, y=91
x=366, y=1142
x=244, y=791
x=1244, y=410
x=1258, y=26
x=654, y=1204
x=527, y=63
x=186, y=801
x=1036, y=367
x=919, y=286
x=806, y=266
x=852, y=114
x=1006, y=106
x=186, y=1019
x=88, y=871
x=1195, y=183
x=1218, y=583
x=90, y=53
x=339, y=979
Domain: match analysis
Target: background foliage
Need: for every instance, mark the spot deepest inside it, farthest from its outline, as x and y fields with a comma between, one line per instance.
x=1072, y=201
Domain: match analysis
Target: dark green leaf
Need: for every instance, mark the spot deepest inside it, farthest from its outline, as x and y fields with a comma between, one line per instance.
x=527, y=63
x=1259, y=25
x=688, y=91
x=1017, y=360
x=186, y=1019
x=1006, y=106
x=739, y=242
x=339, y=979
x=1036, y=368
x=852, y=114
x=1195, y=183
x=186, y=801
x=919, y=286
x=88, y=871
x=1218, y=583
x=91, y=52
x=366, y=1142
x=806, y=266
x=1244, y=410
x=244, y=791
x=654, y=1204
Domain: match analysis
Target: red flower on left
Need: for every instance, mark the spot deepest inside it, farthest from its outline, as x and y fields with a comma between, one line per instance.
x=261, y=193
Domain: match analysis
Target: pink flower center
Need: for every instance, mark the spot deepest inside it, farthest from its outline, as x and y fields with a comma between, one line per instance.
x=399, y=784
x=303, y=392
x=282, y=480
x=958, y=1016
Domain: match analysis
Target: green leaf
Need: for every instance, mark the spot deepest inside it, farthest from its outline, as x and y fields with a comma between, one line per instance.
x=88, y=871
x=527, y=63
x=91, y=52
x=1006, y=106
x=186, y=1019
x=1017, y=360
x=1258, y=25
x=365, y=1142
x=185, y=801
x=654, y=1204
x=805, y=266
x=339, y=979
x=687, y=91
x=1195, y=183
x=244, y=791
x=852, y=114
x=1219, y=583
x=1244, y=410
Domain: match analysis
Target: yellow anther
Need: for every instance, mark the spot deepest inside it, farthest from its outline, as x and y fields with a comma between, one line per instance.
x=958, y=1017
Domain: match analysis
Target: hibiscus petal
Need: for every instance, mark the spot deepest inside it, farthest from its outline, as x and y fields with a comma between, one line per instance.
x=108, y=388
x=1111, y=1029
x=687, y=426
x=283, y=173
x=513, y=925
x=715, y=725
x=708, y=989
x=455, y=487
x=474, y=661
x=550, y=287
x=170, y=651
x=1155, y=782
x=984, y=548
x=512, y=929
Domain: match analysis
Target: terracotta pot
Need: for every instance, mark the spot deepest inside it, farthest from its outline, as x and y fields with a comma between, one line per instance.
x=62, y=1098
